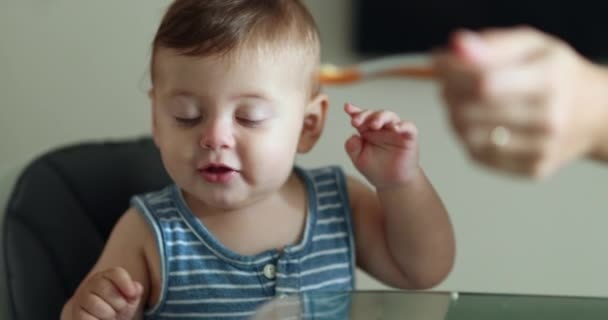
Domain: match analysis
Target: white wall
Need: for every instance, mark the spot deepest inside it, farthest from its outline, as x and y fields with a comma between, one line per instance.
x=73, y=70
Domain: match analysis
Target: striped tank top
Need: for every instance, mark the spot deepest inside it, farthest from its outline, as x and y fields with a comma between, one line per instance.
x=203, y=279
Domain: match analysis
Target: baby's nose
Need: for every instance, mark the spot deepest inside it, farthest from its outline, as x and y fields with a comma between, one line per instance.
x=217, y=134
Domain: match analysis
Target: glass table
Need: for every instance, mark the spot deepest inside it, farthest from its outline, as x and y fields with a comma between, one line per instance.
x=377, y=305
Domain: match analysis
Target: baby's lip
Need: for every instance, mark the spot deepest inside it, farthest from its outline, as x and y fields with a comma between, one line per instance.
x=216, y=167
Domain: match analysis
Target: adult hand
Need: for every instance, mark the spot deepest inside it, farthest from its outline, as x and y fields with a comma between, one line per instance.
x=522, y=101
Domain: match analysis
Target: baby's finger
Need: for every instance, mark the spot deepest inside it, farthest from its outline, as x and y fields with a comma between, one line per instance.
x=378, y=120
x=386, y=138
x=351, y=109
x=360, y=118
x=82, y=314
x=123, y=282
x=97, y=307
x=110, y=293
x=406, y=128
x=353, y=147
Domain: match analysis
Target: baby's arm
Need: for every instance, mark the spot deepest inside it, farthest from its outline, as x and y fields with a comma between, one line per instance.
x=404, y=235
x=119, y=284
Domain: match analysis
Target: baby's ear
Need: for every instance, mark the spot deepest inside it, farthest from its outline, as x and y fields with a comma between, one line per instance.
x=314, y=122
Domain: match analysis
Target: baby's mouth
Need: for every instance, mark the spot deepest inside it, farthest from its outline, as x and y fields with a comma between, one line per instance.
x=217, y=169
x=218, y=173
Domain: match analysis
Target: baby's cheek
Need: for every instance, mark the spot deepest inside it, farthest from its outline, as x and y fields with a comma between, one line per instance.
x=275, y=155
x=277, y=151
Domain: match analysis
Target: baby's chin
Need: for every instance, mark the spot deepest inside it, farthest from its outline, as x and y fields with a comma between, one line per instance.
x=221, y=200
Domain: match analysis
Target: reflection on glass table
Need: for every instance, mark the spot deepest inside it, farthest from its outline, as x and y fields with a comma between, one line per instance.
x=377, y=305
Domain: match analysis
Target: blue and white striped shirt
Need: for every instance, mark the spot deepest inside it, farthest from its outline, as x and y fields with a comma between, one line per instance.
x=203, y=279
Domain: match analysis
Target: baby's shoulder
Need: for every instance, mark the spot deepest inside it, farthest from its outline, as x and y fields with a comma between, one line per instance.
x=158, y=203
x=133, y=225
x=155, y=196
x=126, y=243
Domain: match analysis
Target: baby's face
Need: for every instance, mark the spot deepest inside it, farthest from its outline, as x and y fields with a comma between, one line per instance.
x=228, y=128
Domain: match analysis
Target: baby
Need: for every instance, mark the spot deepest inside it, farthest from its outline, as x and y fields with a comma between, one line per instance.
x=234, y=98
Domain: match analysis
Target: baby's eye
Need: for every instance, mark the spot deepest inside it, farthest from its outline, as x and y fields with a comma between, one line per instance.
x=185, y=110
x=253, y=115
x=188, y=122
x=249, y=121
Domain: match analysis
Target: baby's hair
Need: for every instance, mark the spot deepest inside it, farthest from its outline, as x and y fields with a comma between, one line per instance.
x=221, y=27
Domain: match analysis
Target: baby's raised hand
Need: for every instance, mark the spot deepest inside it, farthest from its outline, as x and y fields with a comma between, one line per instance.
x=385, y=150
x=108, y=295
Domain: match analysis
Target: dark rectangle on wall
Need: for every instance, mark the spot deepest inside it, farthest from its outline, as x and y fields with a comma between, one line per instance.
x=397, y=26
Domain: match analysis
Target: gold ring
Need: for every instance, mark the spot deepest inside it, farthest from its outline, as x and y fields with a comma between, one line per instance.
x=500, y=136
